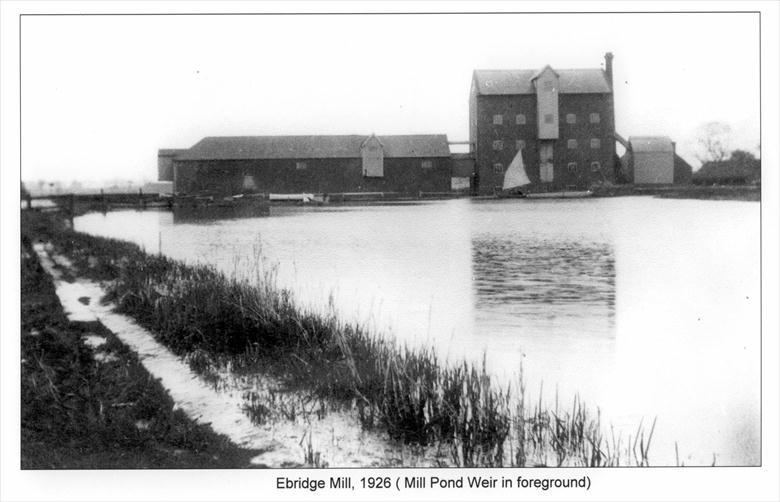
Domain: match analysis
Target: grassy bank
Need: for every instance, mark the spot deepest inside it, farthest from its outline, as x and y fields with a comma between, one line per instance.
x=703, y=192
x=251, y=325
x=85, y=409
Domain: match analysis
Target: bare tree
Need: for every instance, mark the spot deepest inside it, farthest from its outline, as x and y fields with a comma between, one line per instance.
x=714, y=142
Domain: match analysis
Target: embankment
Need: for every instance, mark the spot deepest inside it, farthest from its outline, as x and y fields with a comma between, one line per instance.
x=84, y=408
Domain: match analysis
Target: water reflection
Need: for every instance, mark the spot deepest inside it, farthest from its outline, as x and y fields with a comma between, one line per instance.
x=529, y=271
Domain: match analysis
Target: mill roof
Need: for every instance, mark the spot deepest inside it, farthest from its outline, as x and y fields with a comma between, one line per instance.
x=571, y=81
x=311, y=147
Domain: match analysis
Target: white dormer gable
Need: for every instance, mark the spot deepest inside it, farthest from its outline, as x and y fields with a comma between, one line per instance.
x=545, y=73
x=547, y=86
x=372, y=152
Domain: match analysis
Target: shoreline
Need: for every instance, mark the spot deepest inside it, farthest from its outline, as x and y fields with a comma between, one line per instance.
x=87, y=403
x=216, y=322
x=85, y=203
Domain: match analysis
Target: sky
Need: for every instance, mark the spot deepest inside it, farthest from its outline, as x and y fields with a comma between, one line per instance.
x=100, y=95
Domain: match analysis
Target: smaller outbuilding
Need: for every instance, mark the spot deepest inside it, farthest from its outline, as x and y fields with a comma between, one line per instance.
x=653, y=160
x=165, y=158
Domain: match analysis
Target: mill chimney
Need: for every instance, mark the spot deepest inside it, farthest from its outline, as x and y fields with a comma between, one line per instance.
x=608, y=64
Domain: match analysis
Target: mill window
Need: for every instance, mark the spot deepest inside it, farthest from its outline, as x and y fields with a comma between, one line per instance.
x=498, y=119
x=571, y=144
x=520, y=144
x=572, y=166
x=595, y=166
x=520, y=119
x=498, y=168
x=427, y=164
x=595, y=143
x=571, y=118
x=595, y=118
x=300, y=166
x=498, y=145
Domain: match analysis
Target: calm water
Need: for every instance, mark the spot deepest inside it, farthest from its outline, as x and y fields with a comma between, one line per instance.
x=644, y=307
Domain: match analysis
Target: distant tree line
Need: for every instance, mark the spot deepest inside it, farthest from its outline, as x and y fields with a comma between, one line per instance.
x=720, y=164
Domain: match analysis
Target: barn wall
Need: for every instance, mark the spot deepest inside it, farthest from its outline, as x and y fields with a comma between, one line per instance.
x=653, y=167
x=165, y=168
x=683, y=172
x=226, y=177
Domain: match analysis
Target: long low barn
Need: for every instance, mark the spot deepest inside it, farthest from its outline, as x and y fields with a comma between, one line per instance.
x=315, y=164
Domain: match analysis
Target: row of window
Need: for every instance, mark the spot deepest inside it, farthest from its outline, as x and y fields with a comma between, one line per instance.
x=595, y=143
x=571, y=118
x=301, y=166
x=595, y=166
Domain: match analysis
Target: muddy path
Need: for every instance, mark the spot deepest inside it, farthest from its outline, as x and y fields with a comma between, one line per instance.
x=309, y=436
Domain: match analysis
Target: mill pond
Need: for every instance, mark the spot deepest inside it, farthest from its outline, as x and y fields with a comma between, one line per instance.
x=645, y=308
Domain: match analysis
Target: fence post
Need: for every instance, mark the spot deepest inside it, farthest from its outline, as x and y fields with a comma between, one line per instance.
x=103, y=201
x=71, y=208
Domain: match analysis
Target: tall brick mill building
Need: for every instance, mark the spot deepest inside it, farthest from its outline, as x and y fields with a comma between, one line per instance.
x=562, y=120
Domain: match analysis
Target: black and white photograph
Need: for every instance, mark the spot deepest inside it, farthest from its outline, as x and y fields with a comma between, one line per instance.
x=350, y=251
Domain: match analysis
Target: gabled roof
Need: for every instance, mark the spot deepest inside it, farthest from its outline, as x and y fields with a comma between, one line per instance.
x=313, y=147
x=651, y=144
x=372, y=139
x=540, y=72
x=170, y=152
x=577, y=81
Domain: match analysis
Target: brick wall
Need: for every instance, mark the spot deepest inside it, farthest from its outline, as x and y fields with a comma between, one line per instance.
x=165, y=167
x=509, y=132
x=226, y=177
x=581, y=105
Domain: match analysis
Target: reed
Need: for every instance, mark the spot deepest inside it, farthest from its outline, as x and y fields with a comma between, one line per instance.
x=250, y=324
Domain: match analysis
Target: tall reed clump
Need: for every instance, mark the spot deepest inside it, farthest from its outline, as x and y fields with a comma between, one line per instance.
x=407, y=392
x=253, y=324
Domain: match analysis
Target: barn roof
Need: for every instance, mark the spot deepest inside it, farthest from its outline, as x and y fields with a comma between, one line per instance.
x=170, y=152
x=574, y=81
x=313, y=147
x=651, y=144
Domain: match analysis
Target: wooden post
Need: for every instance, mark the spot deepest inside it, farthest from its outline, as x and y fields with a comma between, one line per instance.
x=71, y=208
x=141, y=198
x=28, y=197
x=103, y=201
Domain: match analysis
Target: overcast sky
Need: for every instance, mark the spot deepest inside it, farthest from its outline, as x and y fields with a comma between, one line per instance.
x=100, y=94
